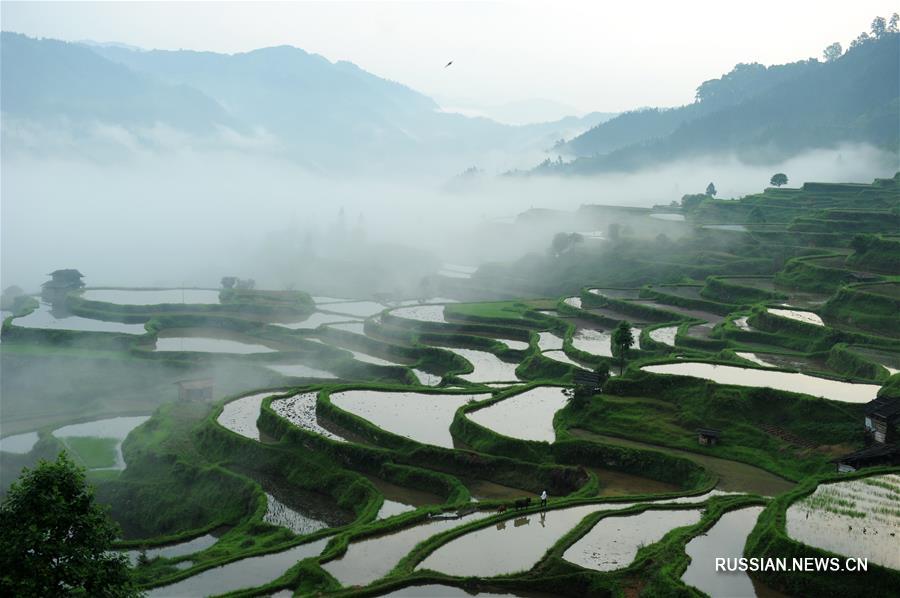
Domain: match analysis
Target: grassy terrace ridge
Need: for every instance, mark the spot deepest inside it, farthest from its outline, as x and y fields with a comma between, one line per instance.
x=816, y=248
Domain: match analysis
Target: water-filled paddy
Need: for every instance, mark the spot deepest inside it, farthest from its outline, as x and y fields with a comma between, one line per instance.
x=597, y=342
x=742, y=324
x=152, y=296
x=615, y=293
x=246, y=573
x=442, y=591
x=177, y=342
x=170, y=551
x=725, y=539
x=354, y=327
x=240, y=415
x=400, y=499
x=300, y=410
x=573, y=302
x=617, y=483
x=561, y=357
x=614, y=541
x=19, y=443
x=421, y=313
x=527, y=416
x=315, y=320
x=45, y=318
x=486, y=490
x=806, y=317
x=488, y=367
x=789, y=381
x=366, y=358
x=427, y=378
x=422, y=417
x=115, y=428
x=372, y=558
x=280, y=514
x=513, y=344
x=362, y=309
x=665, y=335
x=668, y=216
x=547, y=341
x=508, y=547
x=299, y=370
x=858, y=518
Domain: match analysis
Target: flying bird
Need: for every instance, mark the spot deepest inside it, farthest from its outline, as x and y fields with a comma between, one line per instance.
x=448, y=64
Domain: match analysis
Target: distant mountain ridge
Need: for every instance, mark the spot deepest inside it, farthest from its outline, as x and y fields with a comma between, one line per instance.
x=327, y=116
x=758, y=113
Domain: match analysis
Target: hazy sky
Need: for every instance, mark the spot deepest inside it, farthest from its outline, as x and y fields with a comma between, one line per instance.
x=591, y=55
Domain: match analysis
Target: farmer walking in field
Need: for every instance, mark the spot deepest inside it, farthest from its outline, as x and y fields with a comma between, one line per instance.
x=543, y=498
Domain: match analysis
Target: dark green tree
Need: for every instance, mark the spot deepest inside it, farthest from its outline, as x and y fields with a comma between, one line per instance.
x=691, y=201
x=622, y=341
x=833, y=52
x=55, y=540
x=778, y=179
x=711, y=190
x=879, y=27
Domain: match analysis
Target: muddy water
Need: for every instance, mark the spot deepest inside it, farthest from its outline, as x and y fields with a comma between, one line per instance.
x=485, y=490
x=614, y=541
x=616, y=483
x=562, y=358
x=372, y=558
x=175, y=550
x=45, y=318
x=300, y=410
x=298, y=370
x=241, y=414
x=789, y=381
x=425, y=418
x=115, y=427
x=152, y=296
x=488, y=367
x=427, y=378
x=421, y=313
x=858, y=518
x=19, y=444
x=547, y=341
x=508, y=547
x=807, y=317
x=399, y=499
x=315, y=320
x=733, y=475
x=179, y=342
x=665, y=335
x=527, y=416
x=725, y=539
x=246, y=573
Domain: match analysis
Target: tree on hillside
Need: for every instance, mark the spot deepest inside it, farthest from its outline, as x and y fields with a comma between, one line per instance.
x=711, y=190
x=833, y=52
x=861, y=39
x=563, y=242
x=879, y=27
x=622, y=341
x=55, y=540
x=778, y=179
x=893, y=23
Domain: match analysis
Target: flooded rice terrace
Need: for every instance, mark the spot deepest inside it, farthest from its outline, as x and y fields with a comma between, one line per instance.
x=421, y=313
x=857, y=518
x=152, y=296
x=422, y=417
x=300, y=410
x=806, y=317
x=240, y=415
x=245, y=573
x=171, y=551
x=361, y=309
x=527, y=416
x=80, y=438
x=372, y=558
x=615, y=540
x=315, y=320
x=19, y=443
x=179, y=341
x=597, y=342
x=547, y=341
x=790, y=381
x=725, y=539
x=510, y=546
x=665, y=335
x=488, y=367
x=298, y=370
x=45, y=317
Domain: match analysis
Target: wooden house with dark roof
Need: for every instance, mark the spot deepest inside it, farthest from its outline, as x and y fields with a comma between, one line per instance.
x=873, y=456
x=882, y=416
x=60, y=283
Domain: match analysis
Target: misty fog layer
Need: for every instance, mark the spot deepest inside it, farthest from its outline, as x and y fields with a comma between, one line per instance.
x=189, y=217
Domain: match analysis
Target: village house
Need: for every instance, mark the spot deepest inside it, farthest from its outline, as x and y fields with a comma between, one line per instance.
x=60, y=283
x=708, y=436
x=882, y=416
